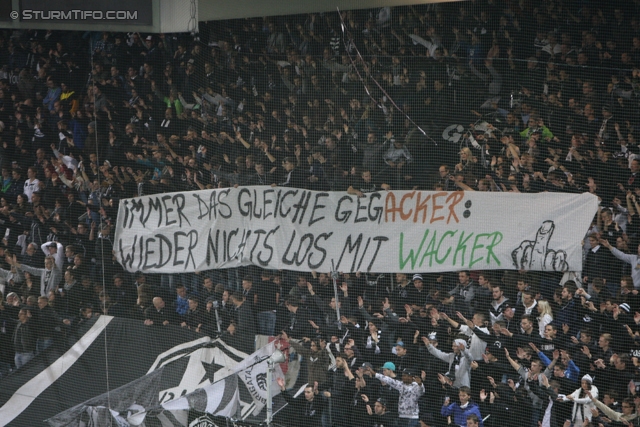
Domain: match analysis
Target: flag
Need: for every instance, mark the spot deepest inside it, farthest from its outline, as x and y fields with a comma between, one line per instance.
x=253, y=373
x=114, y=406
x=111, y=352
x=119, y=354
x=221, y=399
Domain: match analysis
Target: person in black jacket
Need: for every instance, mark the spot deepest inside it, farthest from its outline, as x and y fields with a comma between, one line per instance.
x=46, y=321
x=158, y=314
x=24, y=339
x=242, y=332
x=308, y=406
x=299, y=325
x=194, y=319
x=341, y=386
x=378, y=415
x=294, y=176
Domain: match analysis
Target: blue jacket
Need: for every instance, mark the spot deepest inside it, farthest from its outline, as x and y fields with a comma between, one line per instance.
x=572, y=372
x=460, y=415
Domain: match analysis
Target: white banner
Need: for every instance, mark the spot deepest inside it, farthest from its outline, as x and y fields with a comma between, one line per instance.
x=386, y=232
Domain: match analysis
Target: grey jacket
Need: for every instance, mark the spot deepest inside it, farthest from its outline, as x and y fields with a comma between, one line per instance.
x=463, y=373
x=48, y=282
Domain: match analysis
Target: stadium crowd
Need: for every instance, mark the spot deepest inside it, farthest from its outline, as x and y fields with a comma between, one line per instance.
x=356, y=101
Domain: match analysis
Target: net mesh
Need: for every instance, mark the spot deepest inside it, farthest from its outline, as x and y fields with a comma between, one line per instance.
x=496, y=96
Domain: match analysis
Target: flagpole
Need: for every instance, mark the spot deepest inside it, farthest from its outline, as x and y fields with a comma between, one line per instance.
x=276, y=357
x=335, y=275
x=270, y=367
x=215, y=310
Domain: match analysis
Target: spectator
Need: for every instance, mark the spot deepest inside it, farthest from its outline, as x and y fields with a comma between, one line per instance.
x=308, y=406
x=411, y=389
x=194, y=318
x=53, y=94
x=50, y=275
x=24, y=339
x=181, y=302
x=266, y=298
x=298, y=325
x=461, y=412
x=158, y=314
x=459, y=361
x=46, y=322
x=318, y=360
x=379, y=415
x=582, y=402
x=241, y=332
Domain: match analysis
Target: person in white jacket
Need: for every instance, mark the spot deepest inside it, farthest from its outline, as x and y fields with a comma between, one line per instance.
x=582, y=402
x=56, y=250
x=477, y=346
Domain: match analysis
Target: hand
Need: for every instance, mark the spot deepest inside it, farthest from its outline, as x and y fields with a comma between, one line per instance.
x=408, y=309
x=280, y=382
x=492, y=382
x=544, y=380
x=536, y=254
x=483, y=395
x=605, y=243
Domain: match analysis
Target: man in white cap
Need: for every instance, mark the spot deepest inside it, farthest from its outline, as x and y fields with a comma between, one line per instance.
x=459, y=361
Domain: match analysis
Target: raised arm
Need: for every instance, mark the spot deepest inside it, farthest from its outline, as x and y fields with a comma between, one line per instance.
x=512, y=362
